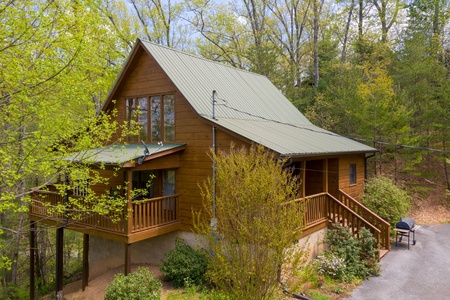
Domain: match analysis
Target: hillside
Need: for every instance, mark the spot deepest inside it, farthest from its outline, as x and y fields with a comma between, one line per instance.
x=426, y=185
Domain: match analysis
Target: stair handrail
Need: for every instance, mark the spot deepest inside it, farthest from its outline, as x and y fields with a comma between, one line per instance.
x=369, y=216
x=375, y=229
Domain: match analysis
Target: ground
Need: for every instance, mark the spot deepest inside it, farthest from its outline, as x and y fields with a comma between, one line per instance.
x=97, y=286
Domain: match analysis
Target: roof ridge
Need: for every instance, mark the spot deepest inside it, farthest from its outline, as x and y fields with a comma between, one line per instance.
x=199, y=57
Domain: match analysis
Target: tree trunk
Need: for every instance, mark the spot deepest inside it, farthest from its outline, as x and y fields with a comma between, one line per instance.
x=317, y=10
x=360, y=19
x=347, y=27
x=447, y=179
x=17, y=235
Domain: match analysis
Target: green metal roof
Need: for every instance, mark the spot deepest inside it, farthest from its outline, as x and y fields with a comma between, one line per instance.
x=238, y=92
x=119, y=154
x=247, y=104
x=293, y=140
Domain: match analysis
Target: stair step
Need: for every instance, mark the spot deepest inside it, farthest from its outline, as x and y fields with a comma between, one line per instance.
x=383, y=252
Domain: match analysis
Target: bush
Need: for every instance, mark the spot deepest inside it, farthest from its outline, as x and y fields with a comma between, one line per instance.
x=135, y=286
x=184, y=264
x=387, y=200
x=248, y=226
x=331, y=265
x=360, y=257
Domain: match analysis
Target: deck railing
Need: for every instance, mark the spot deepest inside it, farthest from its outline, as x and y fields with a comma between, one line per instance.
x=153, y=212
x=145, y=214
x=316, y=209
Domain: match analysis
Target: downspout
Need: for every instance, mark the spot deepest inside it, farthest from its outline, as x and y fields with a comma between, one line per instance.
x=365, y=165
x=214, y=220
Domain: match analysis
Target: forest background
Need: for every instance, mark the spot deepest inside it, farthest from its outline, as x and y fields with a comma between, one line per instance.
x=373, y=70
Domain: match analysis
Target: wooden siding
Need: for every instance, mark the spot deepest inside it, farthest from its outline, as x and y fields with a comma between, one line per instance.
x=145, y=78
x=353, y=190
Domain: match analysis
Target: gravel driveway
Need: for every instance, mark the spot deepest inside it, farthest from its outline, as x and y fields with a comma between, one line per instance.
x=423, y=272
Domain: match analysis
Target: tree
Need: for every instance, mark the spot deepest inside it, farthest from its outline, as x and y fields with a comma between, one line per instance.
x=57, y=60
x=386, y=9
x=162, y=21
x=253, y=223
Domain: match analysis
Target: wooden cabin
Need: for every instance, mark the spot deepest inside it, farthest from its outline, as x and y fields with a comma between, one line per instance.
x=186, y=106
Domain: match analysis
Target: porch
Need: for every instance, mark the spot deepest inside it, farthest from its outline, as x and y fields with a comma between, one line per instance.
x=140, y=220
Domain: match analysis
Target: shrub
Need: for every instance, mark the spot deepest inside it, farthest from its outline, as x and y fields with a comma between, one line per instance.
x=359, y=255
x=330, y=264
x=135, y=286
x=184, y=264
x=387, y=200
x=249, y=223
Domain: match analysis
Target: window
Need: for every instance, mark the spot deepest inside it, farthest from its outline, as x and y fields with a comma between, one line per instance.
x=169, y=118
x=155, y=116
x=169, y=188
x=153, y=183
x=169, y=182
x=80, y=188
x=143, y=184
x=352, y=174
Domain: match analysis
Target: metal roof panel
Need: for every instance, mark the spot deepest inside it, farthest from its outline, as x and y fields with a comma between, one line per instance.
x=119, y=154
x=293, y=140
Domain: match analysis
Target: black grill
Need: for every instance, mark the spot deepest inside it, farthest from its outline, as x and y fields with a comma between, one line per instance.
x=404, y=228
x=406, y=223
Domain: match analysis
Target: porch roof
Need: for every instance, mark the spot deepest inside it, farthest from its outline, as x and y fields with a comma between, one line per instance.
x=120, y=154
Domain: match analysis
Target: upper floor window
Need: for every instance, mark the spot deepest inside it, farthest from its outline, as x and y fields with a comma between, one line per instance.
x=155, y=116
x=352, y=174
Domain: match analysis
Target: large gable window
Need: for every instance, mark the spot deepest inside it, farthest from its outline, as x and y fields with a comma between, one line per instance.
x=155, y=116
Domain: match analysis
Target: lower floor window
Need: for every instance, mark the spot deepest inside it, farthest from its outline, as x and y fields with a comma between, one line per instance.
x=352, y=174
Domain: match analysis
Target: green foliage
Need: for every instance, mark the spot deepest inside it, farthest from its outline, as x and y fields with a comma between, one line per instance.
x=387, y=200
x=247, y=250
x=135, y=286
x=184, y=265
x=349, y=257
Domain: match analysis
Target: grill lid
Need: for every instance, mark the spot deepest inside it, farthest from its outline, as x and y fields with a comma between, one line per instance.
x=406, y=223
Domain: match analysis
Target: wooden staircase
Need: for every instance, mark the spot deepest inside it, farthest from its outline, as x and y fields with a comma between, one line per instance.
x=323, y=209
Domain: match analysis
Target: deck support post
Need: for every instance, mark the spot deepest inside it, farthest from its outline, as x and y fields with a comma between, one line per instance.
x=127, y=259
x=32, y=258
x=303, y=170
x=85, y=279
x=59, y=261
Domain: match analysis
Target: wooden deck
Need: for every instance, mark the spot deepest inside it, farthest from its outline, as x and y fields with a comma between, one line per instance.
x=146, y=218
x=151, y=217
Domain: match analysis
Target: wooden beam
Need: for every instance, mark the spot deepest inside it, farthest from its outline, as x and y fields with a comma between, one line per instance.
x=59, y=261
x=129, y=203
x=303, y=170
x=32, y=258
x=127, y=259
x=85, y=279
